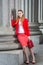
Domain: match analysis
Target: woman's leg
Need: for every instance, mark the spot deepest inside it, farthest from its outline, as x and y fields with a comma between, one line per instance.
x=26, y=53
x=33, y=56
x=23, y=41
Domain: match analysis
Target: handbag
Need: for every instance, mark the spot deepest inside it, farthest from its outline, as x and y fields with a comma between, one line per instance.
x=30, y=44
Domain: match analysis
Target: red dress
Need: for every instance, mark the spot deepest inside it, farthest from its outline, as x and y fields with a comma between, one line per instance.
x=22, y=37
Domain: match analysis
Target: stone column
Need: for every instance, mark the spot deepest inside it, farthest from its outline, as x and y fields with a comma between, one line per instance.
x=5, y=12
x=34, y=25
x=40, y=18
x=40, y=14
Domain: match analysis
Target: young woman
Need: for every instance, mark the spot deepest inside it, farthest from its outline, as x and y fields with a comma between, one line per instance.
x=23, y=33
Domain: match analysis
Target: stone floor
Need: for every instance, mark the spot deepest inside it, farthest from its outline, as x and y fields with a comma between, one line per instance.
x=39, y=57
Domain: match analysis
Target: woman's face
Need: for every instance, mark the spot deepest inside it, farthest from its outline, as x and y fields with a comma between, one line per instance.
x=20, y=14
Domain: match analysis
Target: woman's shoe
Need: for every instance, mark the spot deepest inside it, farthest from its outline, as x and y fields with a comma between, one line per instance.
x=26, y=62
x=33, y=62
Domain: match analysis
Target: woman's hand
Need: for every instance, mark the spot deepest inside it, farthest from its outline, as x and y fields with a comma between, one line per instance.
x=29, y=37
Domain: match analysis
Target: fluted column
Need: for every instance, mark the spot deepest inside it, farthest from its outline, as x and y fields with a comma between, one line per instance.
x=40, y=14
x=33, y=20
x=5, y=12
x=34, y=25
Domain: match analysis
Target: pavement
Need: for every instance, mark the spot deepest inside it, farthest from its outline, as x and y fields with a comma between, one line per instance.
x=39, y=57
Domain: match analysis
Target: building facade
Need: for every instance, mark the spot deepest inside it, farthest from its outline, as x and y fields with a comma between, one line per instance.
x=33, y=10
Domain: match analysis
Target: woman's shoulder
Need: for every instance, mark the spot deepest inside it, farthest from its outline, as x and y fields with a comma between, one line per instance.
x=25, y=19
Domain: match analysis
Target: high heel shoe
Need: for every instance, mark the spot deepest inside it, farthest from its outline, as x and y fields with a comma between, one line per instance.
x=33, y=62
x=26, y=62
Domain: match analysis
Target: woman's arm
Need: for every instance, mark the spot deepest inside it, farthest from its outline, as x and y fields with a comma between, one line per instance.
x=28, y=29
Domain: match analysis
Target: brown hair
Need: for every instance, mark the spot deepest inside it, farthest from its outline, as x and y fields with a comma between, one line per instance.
x=17, y=19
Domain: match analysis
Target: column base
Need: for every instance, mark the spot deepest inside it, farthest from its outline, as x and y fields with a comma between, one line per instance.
x=14, y=57
x=8, y=40
x=41, y=29
x=35, y=35
x=34, y=28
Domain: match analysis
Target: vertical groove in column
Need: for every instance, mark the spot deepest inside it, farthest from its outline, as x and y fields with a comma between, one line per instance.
x=32, y=11
x=39, y=10
x=26, y=8
x=29, y=10
x=35, y=10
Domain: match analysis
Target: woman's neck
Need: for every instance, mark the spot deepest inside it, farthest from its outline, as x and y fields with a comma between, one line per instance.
x=20, y=19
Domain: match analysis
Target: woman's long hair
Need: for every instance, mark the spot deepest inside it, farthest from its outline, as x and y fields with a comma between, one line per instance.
x=22, y=19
